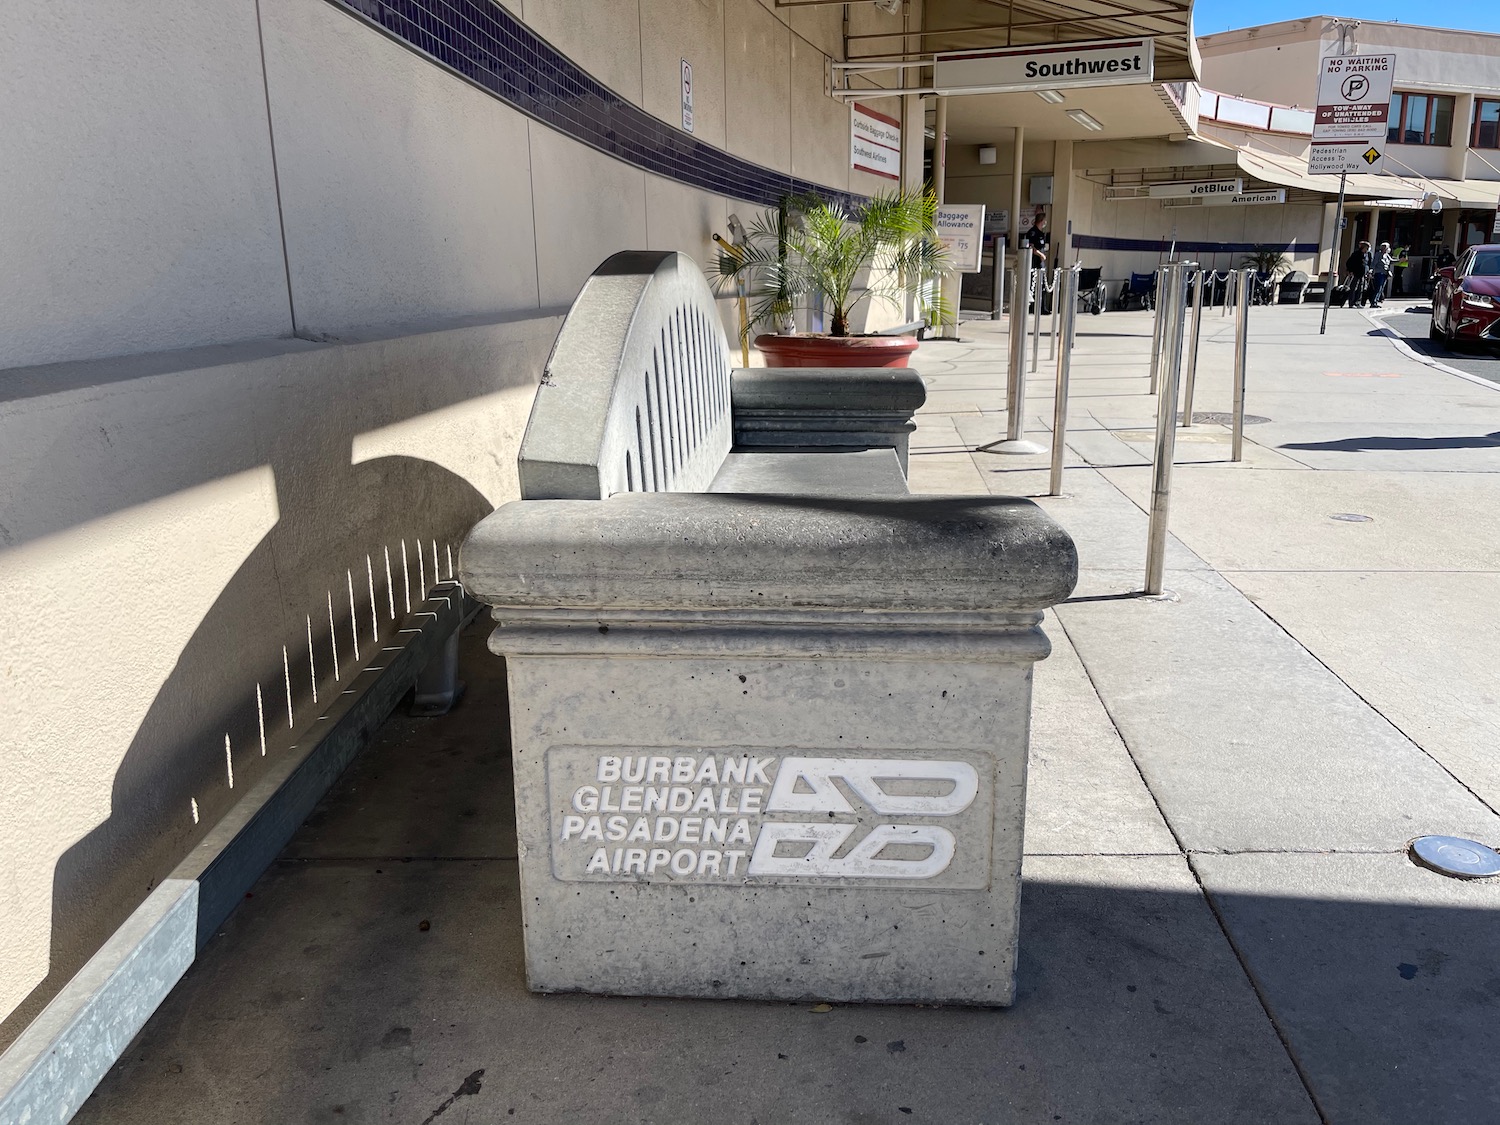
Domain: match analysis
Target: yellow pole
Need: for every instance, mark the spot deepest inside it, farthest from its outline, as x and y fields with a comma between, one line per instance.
x=737, y=253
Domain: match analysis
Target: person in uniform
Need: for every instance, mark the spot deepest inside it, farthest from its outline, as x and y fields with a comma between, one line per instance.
x=1038, y=240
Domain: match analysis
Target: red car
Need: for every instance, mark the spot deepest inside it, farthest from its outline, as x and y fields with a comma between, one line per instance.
x=1466, y=298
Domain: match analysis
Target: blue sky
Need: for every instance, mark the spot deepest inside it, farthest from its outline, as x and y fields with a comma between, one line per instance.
x=1222, y=15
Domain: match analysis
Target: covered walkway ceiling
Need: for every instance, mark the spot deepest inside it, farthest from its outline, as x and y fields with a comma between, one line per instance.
x=957, y=25
x=1121, y=111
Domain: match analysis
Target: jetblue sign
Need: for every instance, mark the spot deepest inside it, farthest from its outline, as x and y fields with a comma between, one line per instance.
x=1196, y=189
x=1107, y=62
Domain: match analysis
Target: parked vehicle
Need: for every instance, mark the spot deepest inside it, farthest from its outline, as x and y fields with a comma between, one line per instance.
x=1466, y=298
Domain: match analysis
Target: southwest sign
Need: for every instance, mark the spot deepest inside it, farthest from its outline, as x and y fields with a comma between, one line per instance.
x=1057, y=66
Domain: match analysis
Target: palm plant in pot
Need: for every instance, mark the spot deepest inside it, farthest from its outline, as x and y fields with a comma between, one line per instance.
x=815, y=248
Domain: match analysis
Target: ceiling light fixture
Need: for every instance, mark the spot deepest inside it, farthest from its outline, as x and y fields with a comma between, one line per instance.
x=1051, y=97
x=1085, y=120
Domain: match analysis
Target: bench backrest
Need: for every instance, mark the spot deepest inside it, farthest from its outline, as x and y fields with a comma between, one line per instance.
x=635, y=396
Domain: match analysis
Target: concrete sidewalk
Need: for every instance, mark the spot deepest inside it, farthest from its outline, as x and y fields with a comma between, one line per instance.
x=1219, y=924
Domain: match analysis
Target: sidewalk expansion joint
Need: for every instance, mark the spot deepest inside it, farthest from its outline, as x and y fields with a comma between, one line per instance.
x=1464, y=785
x=1239, y=955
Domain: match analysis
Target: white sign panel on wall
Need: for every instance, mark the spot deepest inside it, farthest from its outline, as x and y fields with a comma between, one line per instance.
x=687, y=95
x=960, y=228
x=874, y=142
x=1057, y=66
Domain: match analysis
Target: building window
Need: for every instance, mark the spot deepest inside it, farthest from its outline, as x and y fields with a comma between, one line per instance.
x=1486, y=124
x=1420, y=119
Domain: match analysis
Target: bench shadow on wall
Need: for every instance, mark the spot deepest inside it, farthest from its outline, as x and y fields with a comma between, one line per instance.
x=301, y=417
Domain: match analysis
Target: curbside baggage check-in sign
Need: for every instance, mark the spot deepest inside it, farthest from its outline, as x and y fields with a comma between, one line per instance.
x=1354, y=102
x=1059, y=66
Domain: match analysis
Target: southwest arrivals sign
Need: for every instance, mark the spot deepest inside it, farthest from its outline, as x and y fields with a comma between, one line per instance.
x=874, y=142
x=1058, y=66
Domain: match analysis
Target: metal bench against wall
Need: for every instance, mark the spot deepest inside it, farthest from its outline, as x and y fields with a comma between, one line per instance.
x=769, y=711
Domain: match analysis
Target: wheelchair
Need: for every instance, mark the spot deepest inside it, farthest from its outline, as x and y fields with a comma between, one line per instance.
x=1140, y=290
x=1093, y=294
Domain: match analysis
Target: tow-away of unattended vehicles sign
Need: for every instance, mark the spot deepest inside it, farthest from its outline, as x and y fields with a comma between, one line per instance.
x=1354, y=103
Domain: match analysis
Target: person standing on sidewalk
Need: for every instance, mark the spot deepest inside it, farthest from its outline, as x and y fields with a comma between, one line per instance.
x=1037, y=239
x=1382, y=273
x=1358, y=268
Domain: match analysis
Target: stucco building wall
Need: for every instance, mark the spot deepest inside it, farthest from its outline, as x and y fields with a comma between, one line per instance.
x=278, y=293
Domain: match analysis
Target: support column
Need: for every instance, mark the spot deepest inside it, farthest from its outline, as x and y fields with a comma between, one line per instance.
x=1327, y=242
x=1062, y=198
x=952, y=284
x=913, y=126
x=1015, y=187
x=913, y=149
x=940, y=147
x=1463, y=121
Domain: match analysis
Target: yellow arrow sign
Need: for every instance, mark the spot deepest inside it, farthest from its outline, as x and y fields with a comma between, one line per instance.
x=1371, y=154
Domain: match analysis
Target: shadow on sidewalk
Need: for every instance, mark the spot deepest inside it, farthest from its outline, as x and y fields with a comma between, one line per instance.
x=375, y=973
x=1364, y=444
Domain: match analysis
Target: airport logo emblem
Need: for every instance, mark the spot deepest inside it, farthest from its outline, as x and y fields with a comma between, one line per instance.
x=749, y=817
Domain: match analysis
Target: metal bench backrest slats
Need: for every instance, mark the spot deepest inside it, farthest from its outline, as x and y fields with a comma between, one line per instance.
x=635, y=397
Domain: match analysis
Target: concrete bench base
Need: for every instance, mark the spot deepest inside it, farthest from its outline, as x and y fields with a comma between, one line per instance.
x=822, y=824
x=771, y=746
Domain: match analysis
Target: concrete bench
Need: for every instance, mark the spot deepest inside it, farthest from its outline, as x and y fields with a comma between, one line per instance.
x=769, y=712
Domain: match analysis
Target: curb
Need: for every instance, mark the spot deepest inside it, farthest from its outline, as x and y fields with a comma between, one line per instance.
x=1427, y=361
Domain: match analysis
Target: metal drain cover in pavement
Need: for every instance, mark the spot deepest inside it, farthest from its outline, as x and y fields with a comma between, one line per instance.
x=1456, y=857
x=1219, y=418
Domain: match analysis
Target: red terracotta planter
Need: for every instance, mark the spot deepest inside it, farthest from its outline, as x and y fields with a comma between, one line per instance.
x=807, y=350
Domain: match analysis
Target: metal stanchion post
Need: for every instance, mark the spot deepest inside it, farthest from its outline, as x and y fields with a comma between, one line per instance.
x=1241, y=353
x=997, y=285
x=1192, y=362
x=1066, y=290
x=1157, y=333
x=1036, y=316
x=1015, y=376
x=1166, y=431
x=1056, y=313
